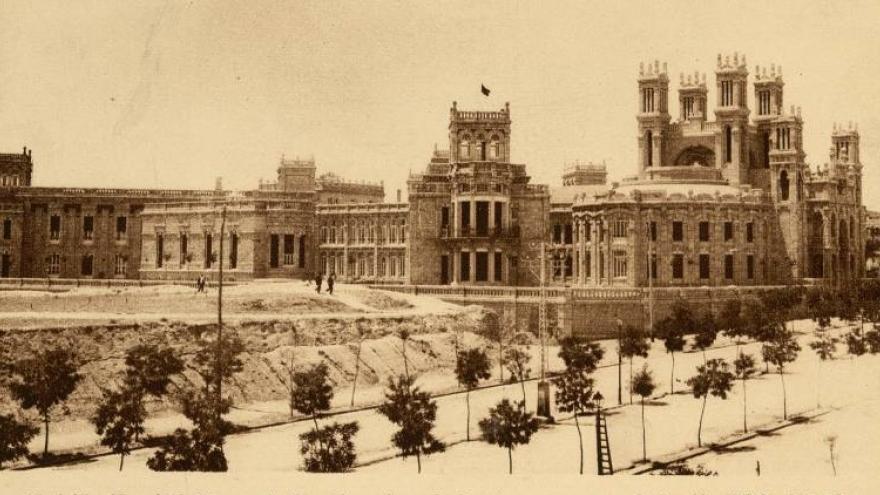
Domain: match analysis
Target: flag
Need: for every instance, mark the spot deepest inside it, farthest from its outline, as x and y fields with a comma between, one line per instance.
x=485, y=90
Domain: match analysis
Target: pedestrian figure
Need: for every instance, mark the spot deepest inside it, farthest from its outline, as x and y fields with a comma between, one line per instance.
x=318, y=280
x=201, y=283
x=331, y=279
x=758, y=467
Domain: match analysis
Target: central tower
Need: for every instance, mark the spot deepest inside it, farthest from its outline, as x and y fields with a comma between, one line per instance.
x=732, y=118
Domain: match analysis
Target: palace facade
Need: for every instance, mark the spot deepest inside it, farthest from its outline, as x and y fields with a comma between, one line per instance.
x=724, y=202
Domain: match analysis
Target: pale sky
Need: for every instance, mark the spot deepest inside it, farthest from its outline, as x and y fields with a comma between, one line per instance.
x=172, y=94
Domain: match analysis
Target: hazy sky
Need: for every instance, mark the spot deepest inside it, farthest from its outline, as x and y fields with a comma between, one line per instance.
x=172, y=93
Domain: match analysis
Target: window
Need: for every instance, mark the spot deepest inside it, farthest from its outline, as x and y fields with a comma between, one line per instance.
x=121, y=228
x=233, y=250
x=465, y=258
x=209, y=250
x=121, y=265
x=54, y=264
x=728, y=266
x=704, y=231
x=750, y=266
x=498, y=268
x=7, y=229
x=647, y=100
x=557, y=233
x=677, y=266
x=87, y=267
x=652, y=229
x=465, y=209
x=587, y=267
x=160, y=250
x=88, y=227
x=618, y=229
x=728, y=231
x=704, y=266
x=499, y=215
x=728, y=144
x=651, y=267
x=783, y=185
x=54, y=227
x=444, y=217
x=184, y=250
x=288, y=250
x=568, y=234
x=302, y=253
x=750, y=232
x=618, y=267
x=482, y=273
x=464, y=149
x=587, y=234
x=649, y=149
x=677, y=231
x=569, y=266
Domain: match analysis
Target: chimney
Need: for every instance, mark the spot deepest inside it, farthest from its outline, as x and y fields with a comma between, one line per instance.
x=218, y=185
x=398, y=195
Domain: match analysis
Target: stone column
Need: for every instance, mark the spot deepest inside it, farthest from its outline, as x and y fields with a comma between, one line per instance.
x=594, y=257
x=473, y=267
x=456, y=266
x=491, y=275
x=656, y=147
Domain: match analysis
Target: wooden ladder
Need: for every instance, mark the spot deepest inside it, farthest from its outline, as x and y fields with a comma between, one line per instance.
x=603, y=446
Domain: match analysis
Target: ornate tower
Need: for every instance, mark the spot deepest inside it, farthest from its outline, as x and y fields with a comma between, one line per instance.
x=296, y=174
x=653, y=114
x=732, y=117
x=479, y=136
x=787, y=169
x=692, y=98
x=768, y=100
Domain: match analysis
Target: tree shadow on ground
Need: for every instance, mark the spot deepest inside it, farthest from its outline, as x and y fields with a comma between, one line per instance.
x=733, y=450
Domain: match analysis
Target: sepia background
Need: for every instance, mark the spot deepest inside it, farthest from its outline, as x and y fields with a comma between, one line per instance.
x=172, y=94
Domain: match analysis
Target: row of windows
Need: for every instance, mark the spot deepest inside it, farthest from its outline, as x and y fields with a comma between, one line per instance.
x=282, y=250
x=87, y=265
x=703, y=231
x=88, y=227
x=209, y=255
x=10, y=180
x=649, y=99
x=704, y=266
x=479, y=149
x=362, y=266
x=481, y=270
x=363, y=234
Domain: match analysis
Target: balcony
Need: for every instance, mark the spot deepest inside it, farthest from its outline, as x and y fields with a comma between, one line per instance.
x=468, y=232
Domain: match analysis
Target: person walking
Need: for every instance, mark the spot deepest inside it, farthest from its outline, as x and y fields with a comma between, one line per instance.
x=331, y=279
x=318, y=279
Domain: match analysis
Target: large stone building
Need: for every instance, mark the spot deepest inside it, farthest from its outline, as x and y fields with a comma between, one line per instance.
x=722, y=202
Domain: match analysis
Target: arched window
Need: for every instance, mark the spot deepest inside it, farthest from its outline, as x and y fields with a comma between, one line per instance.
x=765, y=141
x=783, y=185
x=494, y=149
x=728, y=144
x=649, y=149
x=464, y=148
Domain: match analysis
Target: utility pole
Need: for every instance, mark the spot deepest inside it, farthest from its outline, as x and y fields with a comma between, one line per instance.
x=219, y=365
x=543, y=406
x=619, y=363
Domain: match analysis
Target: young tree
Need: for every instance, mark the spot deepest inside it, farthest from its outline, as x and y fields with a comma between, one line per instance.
x=330, y=449
x=855, y=343
x=744, y=367
x=119, y=419
x=730, y=321
x=312, y=395
x=471, y=367
x=672, y=330
x=200, y=449
x=712, y=378
x=707, y=332
x=508, y=426
x=643, y=385
x=825, y=346
x=580, y=354
x=574, y=387
x=415, y=413
x=780, y=351
x=495, y=331
x=14, y=438
x=517, y=362
x=43, y=382
x=634, y=343
x=574, y=394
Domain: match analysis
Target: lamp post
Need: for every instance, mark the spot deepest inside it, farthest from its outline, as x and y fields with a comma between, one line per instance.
x=619, y=362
